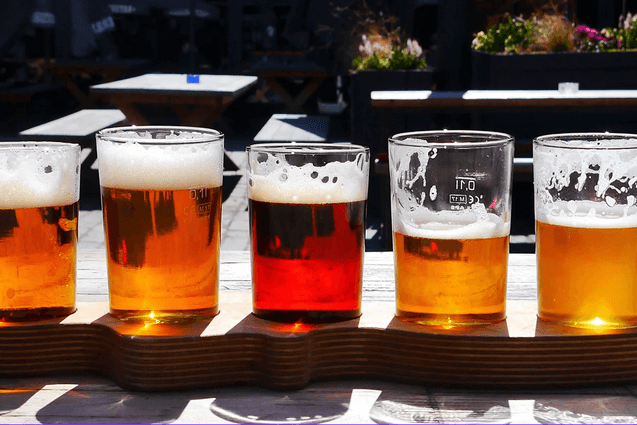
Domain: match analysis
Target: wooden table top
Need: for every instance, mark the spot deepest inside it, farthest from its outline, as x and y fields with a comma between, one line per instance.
x=502, y=98
x=87, y=397
x=175, y=84
x=78, y=126
x=294, y=128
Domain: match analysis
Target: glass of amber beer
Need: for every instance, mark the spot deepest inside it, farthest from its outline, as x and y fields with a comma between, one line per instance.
x=161, y=202
x=586, y=227
x=451, y=212
x=307, y=207
x=39, y=194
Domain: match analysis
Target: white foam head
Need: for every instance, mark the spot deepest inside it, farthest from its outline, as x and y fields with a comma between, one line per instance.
x=473, y=223
x=588, y=177
x=39, y=174
x=274, y=180
x=589, y=215
x=183, y=158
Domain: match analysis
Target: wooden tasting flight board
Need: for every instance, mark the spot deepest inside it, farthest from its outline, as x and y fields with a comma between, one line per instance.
x=237, y=348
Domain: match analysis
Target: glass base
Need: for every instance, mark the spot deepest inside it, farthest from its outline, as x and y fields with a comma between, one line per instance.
x=306, y=316
x=596, y=323
x=450, y=320
x=34, y=314
x=165, y=316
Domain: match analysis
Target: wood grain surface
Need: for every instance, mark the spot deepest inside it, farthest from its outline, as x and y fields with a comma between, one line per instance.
x=237, y=348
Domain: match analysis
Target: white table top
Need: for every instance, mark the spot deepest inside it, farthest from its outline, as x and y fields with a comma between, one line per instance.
x=209, y=85
x=501, y=94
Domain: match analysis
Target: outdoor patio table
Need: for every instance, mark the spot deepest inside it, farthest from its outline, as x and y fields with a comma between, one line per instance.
x=478, y=101
x=196, y=104
x=89, y=367
x=108, y=70
x=273, y=69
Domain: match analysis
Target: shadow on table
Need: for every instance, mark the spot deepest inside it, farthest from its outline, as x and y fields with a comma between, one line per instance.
x=103, y=403
x=99, y=401
x=12, y=398
x=411, y=404
x=91, y=404
x=247, y=405
x=595, y=407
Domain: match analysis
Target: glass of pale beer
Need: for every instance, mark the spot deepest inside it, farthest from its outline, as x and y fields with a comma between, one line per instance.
x=451, y=213
x=161, y=203
x=307, y=207
x=586, y=227
x=39, y=194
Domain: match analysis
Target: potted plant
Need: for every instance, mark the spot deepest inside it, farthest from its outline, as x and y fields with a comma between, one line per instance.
x=379, y=57
x=540, y=52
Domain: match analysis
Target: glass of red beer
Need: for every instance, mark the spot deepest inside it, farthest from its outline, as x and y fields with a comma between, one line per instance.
x=307, y=221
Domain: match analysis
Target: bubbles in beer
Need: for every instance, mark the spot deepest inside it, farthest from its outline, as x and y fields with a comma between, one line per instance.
x=307, y=184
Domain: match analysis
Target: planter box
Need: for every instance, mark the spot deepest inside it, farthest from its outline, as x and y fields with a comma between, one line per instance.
x=543, y=71
x=367, y=126
x=366, y=120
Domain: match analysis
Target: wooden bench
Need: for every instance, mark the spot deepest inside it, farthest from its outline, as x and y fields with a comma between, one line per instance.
x=294, y=128
x=21, y=95
x=78, y=127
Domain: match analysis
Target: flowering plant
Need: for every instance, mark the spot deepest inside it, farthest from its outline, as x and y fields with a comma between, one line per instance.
x=550, y=33
x=388, y=52
x=623, y=37
x=507, y=37
x=591, y=39
x=371, y=39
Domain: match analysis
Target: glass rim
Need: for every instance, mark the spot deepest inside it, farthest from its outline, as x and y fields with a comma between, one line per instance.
x=307, y=148
x=587, y=140
x=34, y=144
x=485, y=138
x=208, y=135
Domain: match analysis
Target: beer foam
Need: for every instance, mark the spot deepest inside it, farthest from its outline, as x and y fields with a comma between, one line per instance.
x=334, y=182
x=555, y=166
x=473, y=223
x=590, y=215
x=133, y=165
x=38, y=176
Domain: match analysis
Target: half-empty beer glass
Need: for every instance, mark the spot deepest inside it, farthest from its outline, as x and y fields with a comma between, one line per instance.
x=451, y=213
x=586, y=227
x=39, y=194
x=307, y=224
x=161, y=202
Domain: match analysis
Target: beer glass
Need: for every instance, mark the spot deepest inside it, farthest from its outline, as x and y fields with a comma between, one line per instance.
x=307, y=207
x=451, y=213
x=39, y=194
x=161, y=202
x=586, y=227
